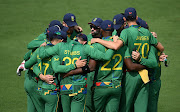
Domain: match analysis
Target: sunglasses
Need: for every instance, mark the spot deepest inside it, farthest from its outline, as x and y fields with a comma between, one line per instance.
x=93, y=26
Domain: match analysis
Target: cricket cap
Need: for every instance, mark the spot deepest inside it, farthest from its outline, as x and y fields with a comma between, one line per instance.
x=118, y=21
x=107, y=25
x=96, y=21
x=56, y=22
x=70, y=19
x=54, y=32
x=83, y=36
x=130, y=13
x=142, y=23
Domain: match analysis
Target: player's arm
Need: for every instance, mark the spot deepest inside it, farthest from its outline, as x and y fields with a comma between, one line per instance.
x=36, y=70
x=46, y=52
x=37, y=42
x=151, y=62
x=157, y=44
x=97, y=54
x=58, y=68
x=32, y=60
x=27, y=55
x=109, y=44
x=129, y=64
x=84, y=70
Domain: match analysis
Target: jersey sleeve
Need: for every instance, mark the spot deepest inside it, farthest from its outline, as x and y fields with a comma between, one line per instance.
x=58, y=68
x=46, y=52
x=151, y=62
x=32, y=60
x=27, y=55
x=36, y=70
x=124, y=36
x=153, y=40
x=127, y=54
x=37, y=42
x=97, y=54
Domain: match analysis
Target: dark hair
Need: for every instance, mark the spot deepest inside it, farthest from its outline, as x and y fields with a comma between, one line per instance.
x=130, y=18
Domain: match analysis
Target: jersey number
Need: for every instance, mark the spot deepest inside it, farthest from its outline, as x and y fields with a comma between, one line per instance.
x=103, y=68
x=142, y=50
x=46, y=67
x=70, y=61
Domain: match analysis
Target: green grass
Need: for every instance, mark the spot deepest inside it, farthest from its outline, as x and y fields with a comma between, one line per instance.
x=23, y=20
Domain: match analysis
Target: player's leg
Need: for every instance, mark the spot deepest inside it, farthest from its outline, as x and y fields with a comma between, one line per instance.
x=66, y=103
x=141, y=99
x=99, y=99
x=30, y=105
x=78, y=103
x=51, y=102
x=90, y=78
x=154, y=89
x=130, y=84
x=31, y=88
x=113, y=100
x=27, y=87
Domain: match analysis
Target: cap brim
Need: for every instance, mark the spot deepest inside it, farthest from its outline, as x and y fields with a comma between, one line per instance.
x=94, y=23
x=65, y=29
x=117, y=26
x=71, y=23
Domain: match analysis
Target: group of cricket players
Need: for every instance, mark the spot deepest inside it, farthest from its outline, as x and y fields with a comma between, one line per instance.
x=115, y=68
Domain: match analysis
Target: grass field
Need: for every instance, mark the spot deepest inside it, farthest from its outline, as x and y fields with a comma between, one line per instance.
x=23, y=20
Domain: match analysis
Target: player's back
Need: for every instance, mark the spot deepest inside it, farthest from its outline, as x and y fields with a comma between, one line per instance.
x=138, y=38
x=111, y=70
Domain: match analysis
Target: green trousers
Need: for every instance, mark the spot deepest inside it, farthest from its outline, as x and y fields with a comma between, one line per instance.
x=134, y=93
x=73, y=103
x=33, y=96
x=49, y=102
x=154, y=88
x=89, y=99
x=106, y=99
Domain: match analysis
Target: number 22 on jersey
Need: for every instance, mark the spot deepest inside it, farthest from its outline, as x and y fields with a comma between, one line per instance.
x=115, y=66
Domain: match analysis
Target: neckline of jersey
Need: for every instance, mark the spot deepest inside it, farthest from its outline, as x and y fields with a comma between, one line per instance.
x=136, y=26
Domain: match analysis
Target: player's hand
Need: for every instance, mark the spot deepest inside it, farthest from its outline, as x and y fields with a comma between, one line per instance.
x=154, y=34
x=162, y=57
x=21, y=68
x=94, y=40
x=136, y=55
x=43, y=44
x=115, y=38
x=80, y=63
x=47, y=78
x=78, y=28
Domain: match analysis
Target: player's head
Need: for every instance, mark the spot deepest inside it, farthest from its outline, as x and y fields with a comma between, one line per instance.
x=54, y=34
x=95, y=26
x=142, y=23
x=82, y=38
x=69, y=20
x=107, y=26
x=119, y=22
x=130, y=14
x=56, y=23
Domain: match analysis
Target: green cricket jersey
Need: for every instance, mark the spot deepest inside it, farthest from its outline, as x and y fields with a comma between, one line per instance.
x=68, y=54
x=155, y=73
x=37, y=42
x=139, y=38
x=110, y=72
x=72, y=36
x=114, y=32
x=89, y=38
x=47, y=66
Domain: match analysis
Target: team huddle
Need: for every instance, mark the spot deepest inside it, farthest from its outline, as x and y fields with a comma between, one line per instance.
x=115, y=68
